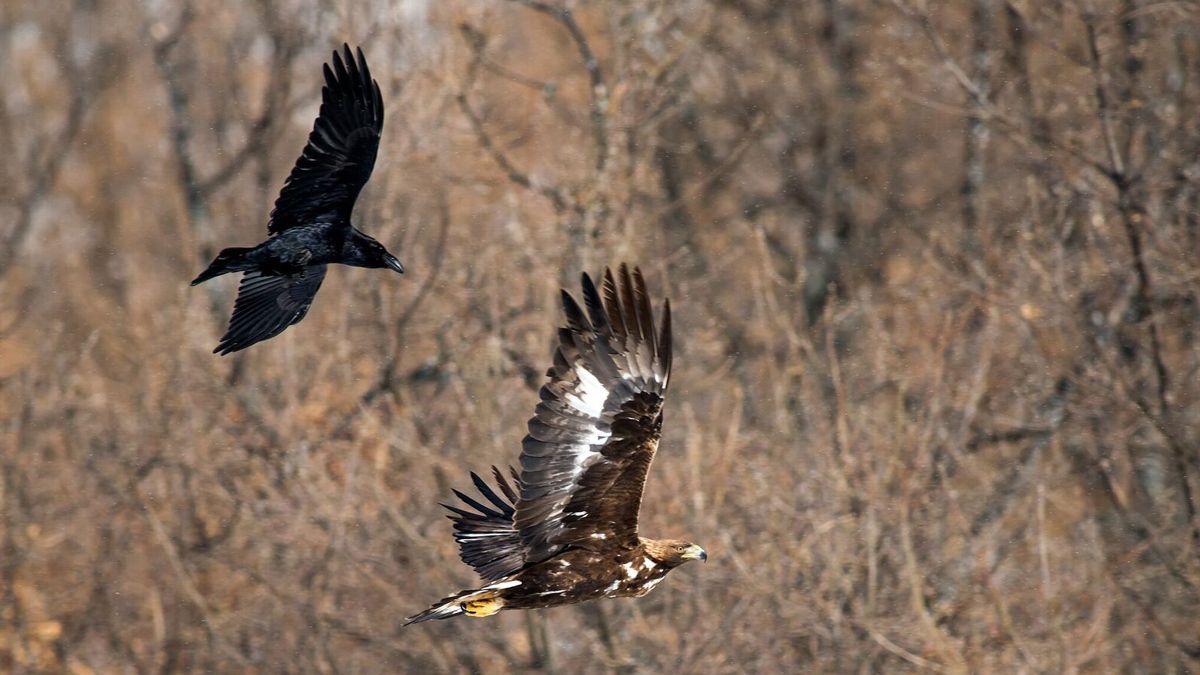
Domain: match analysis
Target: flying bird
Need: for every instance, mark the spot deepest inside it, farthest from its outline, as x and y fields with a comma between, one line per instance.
x=568, y=530
x=310, y=225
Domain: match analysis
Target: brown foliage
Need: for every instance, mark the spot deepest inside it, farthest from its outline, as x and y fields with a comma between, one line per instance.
x=934, y=269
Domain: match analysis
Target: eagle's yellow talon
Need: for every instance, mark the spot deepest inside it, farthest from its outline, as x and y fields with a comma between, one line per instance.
x=480, y=608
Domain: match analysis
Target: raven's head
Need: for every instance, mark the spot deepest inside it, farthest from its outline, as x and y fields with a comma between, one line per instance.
x=363, y=251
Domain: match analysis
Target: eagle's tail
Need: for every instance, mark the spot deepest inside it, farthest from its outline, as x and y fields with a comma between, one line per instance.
x=478, y=602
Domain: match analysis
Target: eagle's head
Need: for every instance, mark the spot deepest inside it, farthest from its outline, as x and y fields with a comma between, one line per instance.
x=673, y=552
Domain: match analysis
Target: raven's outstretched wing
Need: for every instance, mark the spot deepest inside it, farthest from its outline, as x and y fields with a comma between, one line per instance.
x=267, y=304
x=340, y=154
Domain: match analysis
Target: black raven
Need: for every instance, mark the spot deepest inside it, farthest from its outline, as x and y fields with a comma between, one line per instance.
x=310, y=224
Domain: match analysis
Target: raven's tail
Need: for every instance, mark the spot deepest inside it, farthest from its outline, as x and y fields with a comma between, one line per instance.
x=228, y=260
x=480, y=602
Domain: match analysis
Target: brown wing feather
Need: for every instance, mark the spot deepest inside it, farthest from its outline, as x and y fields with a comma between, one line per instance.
x=595, y=432
x=485, y=534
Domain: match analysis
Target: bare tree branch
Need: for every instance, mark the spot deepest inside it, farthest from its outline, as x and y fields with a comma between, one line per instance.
x=599, y=90
x=47, y=161
x=550, y=192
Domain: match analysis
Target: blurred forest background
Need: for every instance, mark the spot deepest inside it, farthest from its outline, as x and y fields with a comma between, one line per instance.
x=936, y=273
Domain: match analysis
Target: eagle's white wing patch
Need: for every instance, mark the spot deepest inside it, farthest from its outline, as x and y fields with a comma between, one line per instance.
x=589, y=398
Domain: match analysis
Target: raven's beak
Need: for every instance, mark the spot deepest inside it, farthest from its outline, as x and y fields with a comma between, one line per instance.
x=696, y=553
x=391, y=261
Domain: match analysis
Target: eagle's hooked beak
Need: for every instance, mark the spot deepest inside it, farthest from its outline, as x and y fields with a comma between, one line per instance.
x=392, y=262
x=696, y=553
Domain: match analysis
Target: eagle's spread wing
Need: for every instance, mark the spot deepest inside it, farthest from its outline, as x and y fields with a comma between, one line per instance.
x=341, y=149
x=485, y=534
x=597, y=426
x=268, y=304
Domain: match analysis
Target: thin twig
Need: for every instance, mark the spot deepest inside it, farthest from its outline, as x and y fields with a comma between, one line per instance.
x=510, y=170
x=1116, y=163
x=599, y=90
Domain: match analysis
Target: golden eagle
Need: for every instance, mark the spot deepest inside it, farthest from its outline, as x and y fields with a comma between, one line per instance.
x=568, y=532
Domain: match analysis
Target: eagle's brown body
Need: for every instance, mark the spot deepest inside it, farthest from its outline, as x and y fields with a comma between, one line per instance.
x=580, y=574
x=568, y=531
x=574, y=573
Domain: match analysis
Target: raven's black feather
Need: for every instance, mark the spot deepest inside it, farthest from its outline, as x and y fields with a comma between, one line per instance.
x=310, y=225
